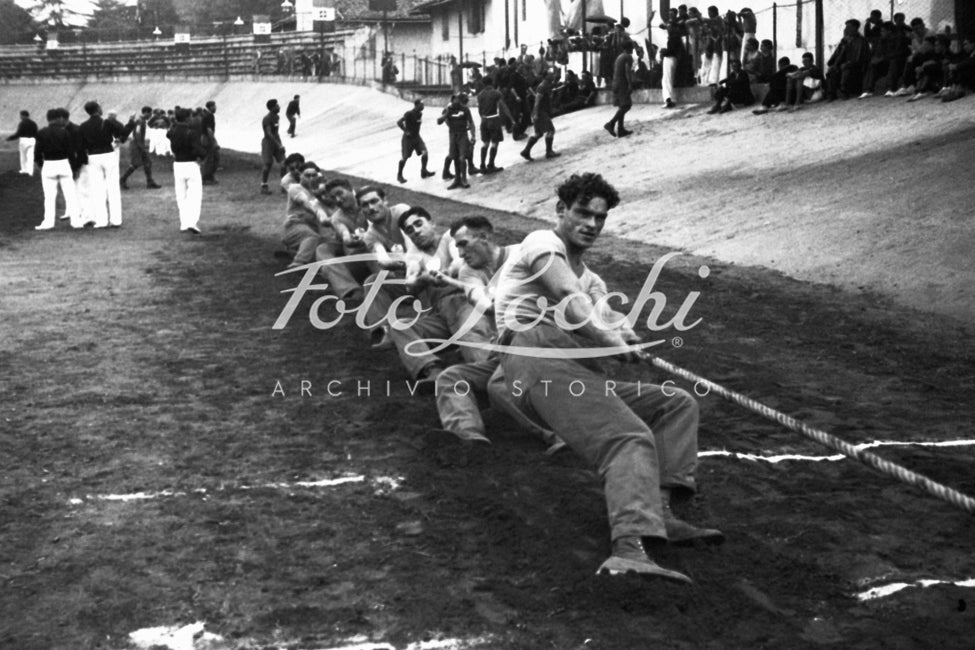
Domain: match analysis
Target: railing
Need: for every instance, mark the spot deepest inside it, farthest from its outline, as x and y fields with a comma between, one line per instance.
x=306, y=56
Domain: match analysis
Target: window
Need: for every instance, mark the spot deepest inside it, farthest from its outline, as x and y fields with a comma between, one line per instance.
x=445, y=25
x=475, y=17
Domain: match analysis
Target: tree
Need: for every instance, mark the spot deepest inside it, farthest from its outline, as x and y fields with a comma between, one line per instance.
x=57, y=14
x=158, y=12
x=112, y=15
x=16, y=24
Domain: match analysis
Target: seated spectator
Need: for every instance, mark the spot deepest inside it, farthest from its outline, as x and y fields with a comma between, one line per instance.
x=920, y=49
x=803, y=85
x=305, y=218
x=777, y=87
x=587, y=88
x=641, y=78
x=883, y=53
x=960, y=77
x=930, y=74
x=735, y=90
x=768, y=66
x=848, y=63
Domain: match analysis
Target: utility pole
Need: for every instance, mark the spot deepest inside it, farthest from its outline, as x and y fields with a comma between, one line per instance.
x=820, y=48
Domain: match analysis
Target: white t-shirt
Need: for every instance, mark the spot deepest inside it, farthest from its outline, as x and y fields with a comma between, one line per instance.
x=520, y=289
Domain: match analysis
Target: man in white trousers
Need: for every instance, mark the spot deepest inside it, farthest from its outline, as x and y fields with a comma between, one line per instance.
x=98, y=137
x=54, y=150
x=25, y=136
x=670, y=56
x=187, y=151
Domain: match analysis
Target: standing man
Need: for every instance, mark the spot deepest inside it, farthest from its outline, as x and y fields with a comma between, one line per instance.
x=271, y=147
x=209, y=124
x=139, y=151
x=54, y=152
x=460, y=122
x=670, y=57
x=98, y=137
x=491, y=106
x=187, y=150
x=293, y=112
x=542, y=116
x=409, y=124
x=641, y=438
x=622, y=87
x=25, y=135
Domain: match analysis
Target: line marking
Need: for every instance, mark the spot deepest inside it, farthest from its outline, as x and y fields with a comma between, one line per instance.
x=835, y=457
x=886, y=590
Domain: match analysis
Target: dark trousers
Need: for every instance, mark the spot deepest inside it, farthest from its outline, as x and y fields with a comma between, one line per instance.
x=211, y=161
x=776, y=90
x=292, y=122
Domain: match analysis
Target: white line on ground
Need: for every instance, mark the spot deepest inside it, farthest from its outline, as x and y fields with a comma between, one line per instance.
x=385, y=484
x=894, y=587
x=194, y=637
x=382, y=483
x=836, y=457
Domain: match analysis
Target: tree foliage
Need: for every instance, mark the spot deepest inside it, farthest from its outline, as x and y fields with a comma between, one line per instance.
x=112, y=14
x=16, y=24
x=57, y=14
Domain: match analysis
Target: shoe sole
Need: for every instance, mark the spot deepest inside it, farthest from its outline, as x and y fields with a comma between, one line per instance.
x=615, y=566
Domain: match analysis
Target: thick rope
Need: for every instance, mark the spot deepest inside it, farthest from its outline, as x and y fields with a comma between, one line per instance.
x=903, y=474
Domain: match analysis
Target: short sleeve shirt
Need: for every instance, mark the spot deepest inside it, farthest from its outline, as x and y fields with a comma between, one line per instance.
x=411, y=123
x=270, y=124
x=519, y=288
x=488, y=102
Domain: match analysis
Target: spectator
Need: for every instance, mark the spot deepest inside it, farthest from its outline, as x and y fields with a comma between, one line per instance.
x=777, y=87
x=670, y=55
x=848, y=63
x=882, y=58
x=735, y=90
x=26, y=136
x=931, y=67
x=921, y=49
x=804, y=85
x=694, y=28
x=714, y=47
x=961, y=74
x=753, y=61
x=749, y=27
x=733, y=37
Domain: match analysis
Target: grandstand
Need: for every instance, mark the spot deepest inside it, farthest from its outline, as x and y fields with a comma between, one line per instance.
x=351, y=55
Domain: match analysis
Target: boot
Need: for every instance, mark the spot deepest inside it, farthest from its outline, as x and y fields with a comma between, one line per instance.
x=471, y=169
x=492, y=168
x=446, y=170
x=424, y=172
x=399, y=172
x=125, y=176
x=526, y=153
x=549, y=151
x=484, y=151
x=153, y=185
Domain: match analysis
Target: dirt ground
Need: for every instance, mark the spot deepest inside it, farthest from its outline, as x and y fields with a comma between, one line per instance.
x=149, y=477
